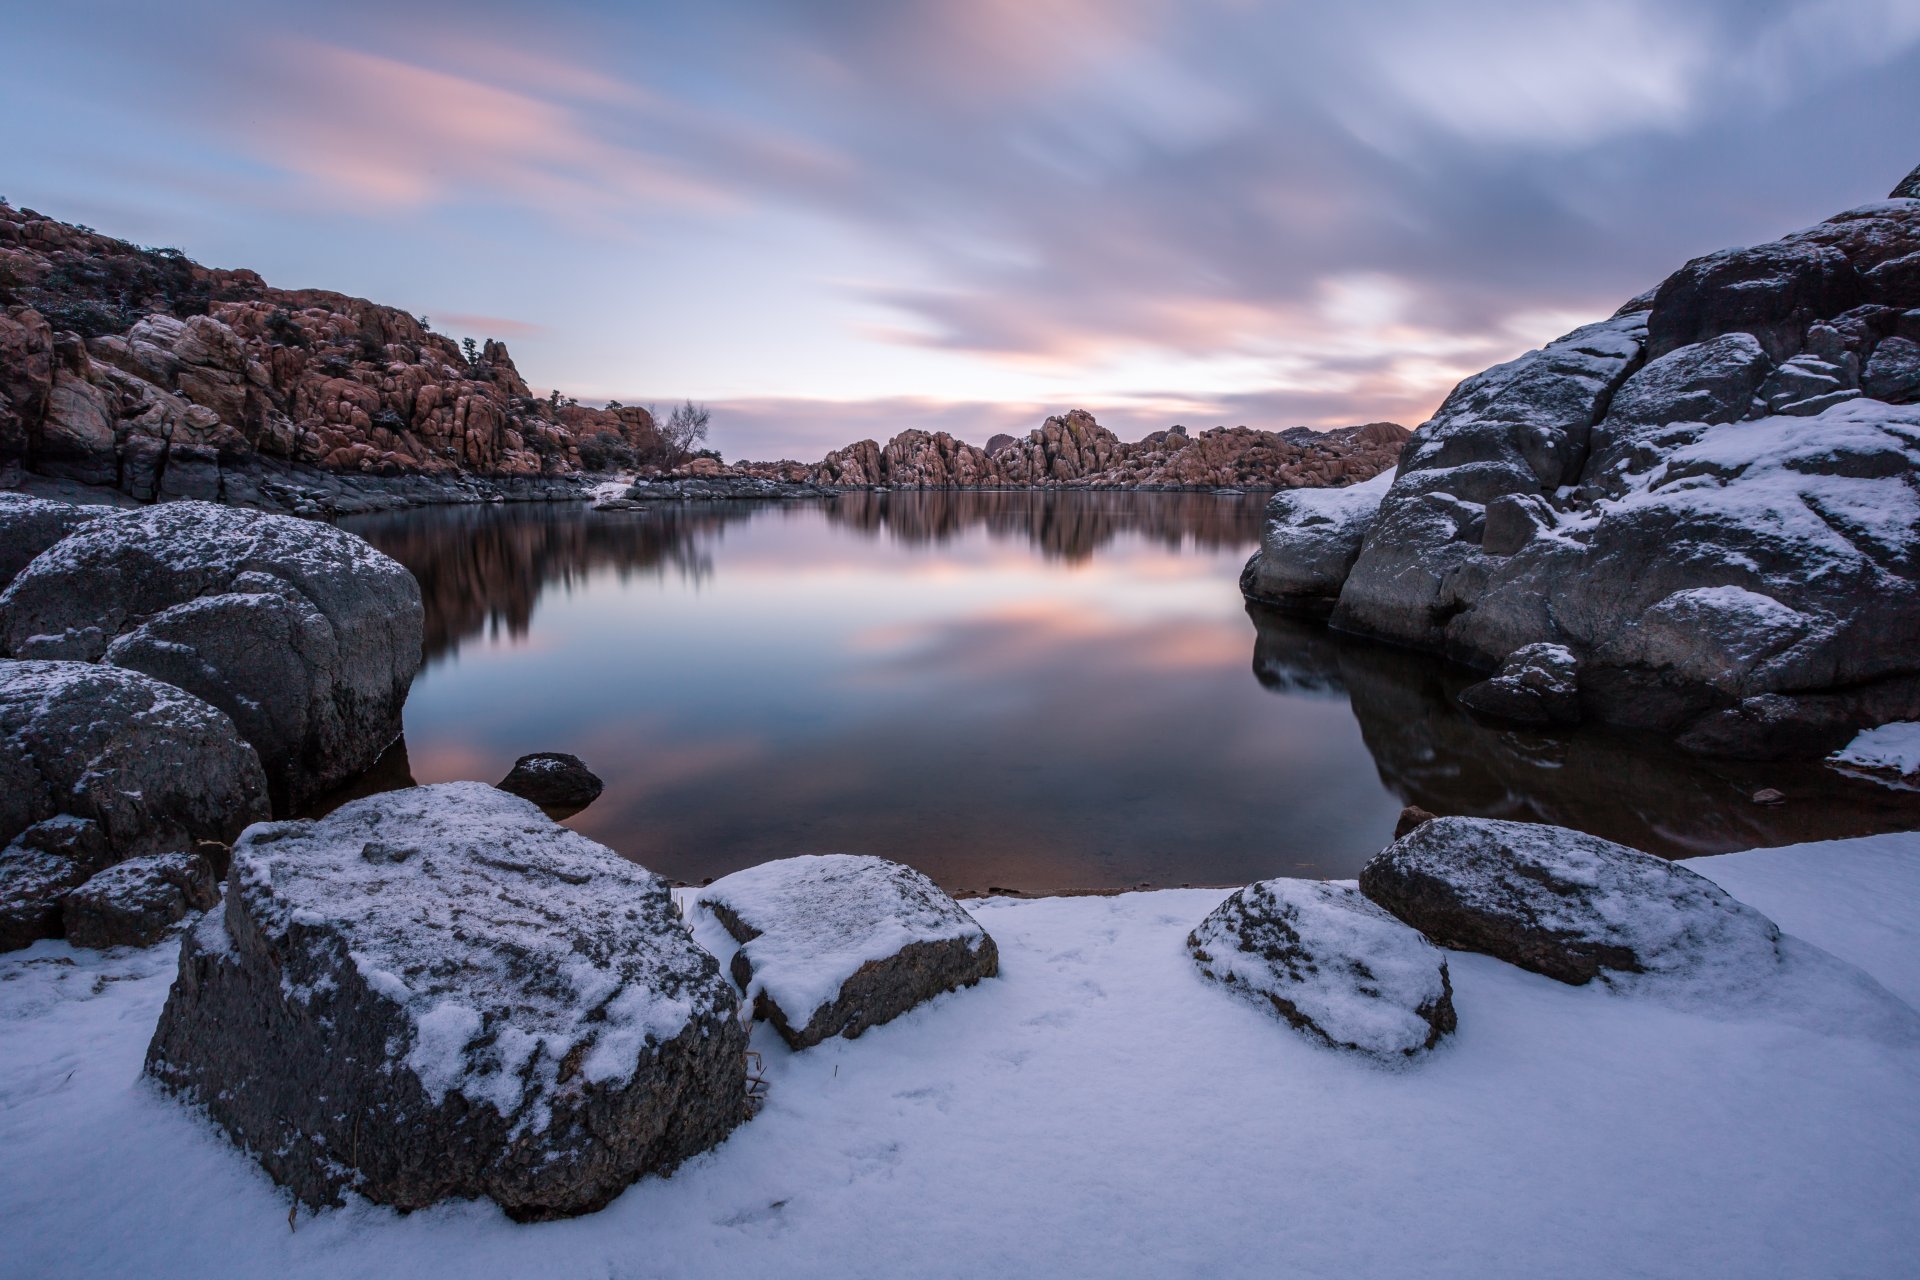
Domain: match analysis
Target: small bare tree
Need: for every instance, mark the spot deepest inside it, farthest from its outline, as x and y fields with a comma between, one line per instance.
x=685, y=429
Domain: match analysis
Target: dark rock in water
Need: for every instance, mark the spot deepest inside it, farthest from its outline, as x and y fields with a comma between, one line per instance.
x=1331, y=963
x=1769, y=795
x=1538, y=685
x=1410, y=817
x=441, y=993
x=836, y=943
x=134, y=903
x=557, y=782
x=1565, y=904
x=301, y=632
x=29, y=526
x=37, y=871
x=1708, y=501
x=142, y=766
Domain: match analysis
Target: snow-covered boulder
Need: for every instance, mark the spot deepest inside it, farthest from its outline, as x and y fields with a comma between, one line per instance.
x=1309, y=542
x=832, y=944
x=441, y=992
x=557, y=782
x=1710, y=500
x=134, y=903
x=29, y=526
x=1330, y=963
x=97, y=764
x=1566, y=904
x=1539, y=684
x=1887, y=752
x=301, y=632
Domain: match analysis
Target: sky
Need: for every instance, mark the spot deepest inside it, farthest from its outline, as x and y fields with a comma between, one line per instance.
x=839, y=220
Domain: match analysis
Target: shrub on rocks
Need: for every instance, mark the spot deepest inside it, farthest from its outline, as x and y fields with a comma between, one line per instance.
x=301, y=632
x=1562, y=903
x=1332, y=964
x=832, y=944
x=440, y=992
x=134, y=903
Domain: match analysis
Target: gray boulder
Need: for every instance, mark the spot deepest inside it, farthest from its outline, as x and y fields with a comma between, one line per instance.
x=134, y=903
x=97, y=764
x=1331, y=963
x=557, y=782
x=1710, y=503
x=301, y=632
x=1908, y=188
x=1309, y=543
x=29, y=526
x=1568, y=905
x=833, y=944
x=440, y=992
x=1538, y=685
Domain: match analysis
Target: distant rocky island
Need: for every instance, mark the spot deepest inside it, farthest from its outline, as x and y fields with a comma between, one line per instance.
x=138, y=371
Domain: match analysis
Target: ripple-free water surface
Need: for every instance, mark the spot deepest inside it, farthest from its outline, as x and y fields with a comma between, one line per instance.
x=1021, y=690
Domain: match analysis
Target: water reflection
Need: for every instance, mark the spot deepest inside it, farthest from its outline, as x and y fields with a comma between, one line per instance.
x=1032, y=691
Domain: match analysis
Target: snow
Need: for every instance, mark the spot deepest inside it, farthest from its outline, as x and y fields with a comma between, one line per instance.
x=1342, y=506
x=820, y=917
x=1102, y=1110
x=1892, y=750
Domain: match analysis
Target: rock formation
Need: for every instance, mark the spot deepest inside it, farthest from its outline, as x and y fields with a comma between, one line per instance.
x=1709, y=500
x=440, y=993
x=837, y=943
x=139, y=369
x=557, y=782
x=29, y=526
x=304, y=634
x=1331, y=963
x=134, y=903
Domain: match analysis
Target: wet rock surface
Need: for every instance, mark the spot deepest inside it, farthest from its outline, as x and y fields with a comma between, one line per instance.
x=99, y=764
x=1332, y=964
x=557, y=782
x=305, y=635
x=1538, y=684
x=1565, y=904
x=441, y=993
x=134, y=903
x=1708, y=499
x=834, y=944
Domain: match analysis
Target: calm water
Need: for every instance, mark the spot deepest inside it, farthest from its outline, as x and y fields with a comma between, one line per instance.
x=1026, y=691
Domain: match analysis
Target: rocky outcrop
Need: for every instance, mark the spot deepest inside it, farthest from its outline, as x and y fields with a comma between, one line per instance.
x=139, y=369
x=1540, y=684
x=1330, y=963
x=29, y=526
x=134, y=903
x=837, y=943
x=711, y=488
x=1568, y=905
x=440, y=993
x=1315, y=536
x=98, y=764
x=305, y=635
x=557, y=782
x=1709, y=500
x=1072, y=450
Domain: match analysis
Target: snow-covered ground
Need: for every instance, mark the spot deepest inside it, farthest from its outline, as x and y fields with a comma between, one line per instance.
x=1100, y=1110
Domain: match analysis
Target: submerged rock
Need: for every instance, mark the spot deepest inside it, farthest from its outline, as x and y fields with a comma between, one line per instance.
x=557, y=782
x=833, y=944
x=441, y=992
x=134, y=903
x=97, y=764
x=1331, y=963
x=1565, y=904
x=303, y=633
x=1538, y=685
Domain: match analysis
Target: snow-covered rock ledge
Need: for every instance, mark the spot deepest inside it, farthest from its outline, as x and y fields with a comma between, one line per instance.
x=1100, y=1108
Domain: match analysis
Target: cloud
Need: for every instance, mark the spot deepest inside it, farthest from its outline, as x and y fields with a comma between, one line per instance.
x=487, y=326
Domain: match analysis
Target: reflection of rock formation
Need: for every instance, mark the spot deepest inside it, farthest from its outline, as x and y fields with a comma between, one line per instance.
x=484, y=567
x=1630, y=788
x=1069, y=526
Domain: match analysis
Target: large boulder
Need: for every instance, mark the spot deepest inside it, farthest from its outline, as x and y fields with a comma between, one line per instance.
x=441, y=992
x=1709, y=500
x=1309, y=543
x=303, y=633
x=29, y=526
x=832, y=944
x=557, y=782
x=98, y=764
x=134, y=903
x=1331, y=963
x=1566, y=904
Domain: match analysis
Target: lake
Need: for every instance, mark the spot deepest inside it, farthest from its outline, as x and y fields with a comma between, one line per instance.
x=1033, y=692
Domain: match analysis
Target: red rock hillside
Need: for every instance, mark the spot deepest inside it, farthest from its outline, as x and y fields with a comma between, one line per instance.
x=140, y=369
